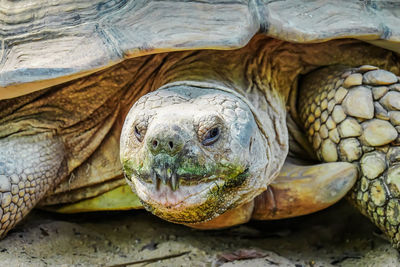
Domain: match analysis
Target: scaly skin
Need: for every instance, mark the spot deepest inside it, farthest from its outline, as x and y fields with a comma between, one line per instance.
x=43, y=137
x=25, y=177
x=353, y=115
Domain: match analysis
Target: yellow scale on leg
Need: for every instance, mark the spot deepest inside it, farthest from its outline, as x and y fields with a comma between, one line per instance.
x=353, y=115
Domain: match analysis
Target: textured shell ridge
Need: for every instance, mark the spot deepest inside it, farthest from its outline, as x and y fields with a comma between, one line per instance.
x=45, y=43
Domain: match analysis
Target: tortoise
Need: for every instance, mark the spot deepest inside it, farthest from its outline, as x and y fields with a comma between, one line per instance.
x=216, y=112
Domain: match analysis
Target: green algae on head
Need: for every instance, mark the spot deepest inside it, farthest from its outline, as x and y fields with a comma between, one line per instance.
x=193, y=158
x=221, y=182
x=188, y=170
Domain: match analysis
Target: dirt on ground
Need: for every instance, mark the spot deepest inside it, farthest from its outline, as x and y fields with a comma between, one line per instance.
x=338, y=236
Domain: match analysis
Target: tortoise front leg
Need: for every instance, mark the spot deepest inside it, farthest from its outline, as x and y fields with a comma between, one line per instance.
x=353, y=115
x=29, y=167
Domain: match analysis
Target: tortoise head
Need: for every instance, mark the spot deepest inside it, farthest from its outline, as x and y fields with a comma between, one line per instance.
x=192, y=153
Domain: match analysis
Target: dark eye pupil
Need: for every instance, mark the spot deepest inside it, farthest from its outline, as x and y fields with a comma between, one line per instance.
x=137, y=134
x=214, y=132
x=211, y=136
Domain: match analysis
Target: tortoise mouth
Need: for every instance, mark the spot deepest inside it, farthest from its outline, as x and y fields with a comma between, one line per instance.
x=169, y=177
x=192, y=194
x=160, y=195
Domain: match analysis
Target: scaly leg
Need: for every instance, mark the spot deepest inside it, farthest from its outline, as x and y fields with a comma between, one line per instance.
x=353, y=115
x=29, y=167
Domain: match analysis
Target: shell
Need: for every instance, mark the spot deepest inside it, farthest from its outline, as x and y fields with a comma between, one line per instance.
x=45, y=43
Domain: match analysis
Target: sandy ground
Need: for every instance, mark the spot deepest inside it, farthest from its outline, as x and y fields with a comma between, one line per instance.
x=338, y=236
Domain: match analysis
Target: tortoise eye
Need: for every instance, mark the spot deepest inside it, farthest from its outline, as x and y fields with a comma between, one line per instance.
x=211, y=136
x=139, y=134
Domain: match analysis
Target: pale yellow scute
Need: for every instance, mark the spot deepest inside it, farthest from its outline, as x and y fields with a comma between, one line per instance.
x=120, y=198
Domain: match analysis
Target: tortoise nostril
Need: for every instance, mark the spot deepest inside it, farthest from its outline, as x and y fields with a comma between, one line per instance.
x=163, y=141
